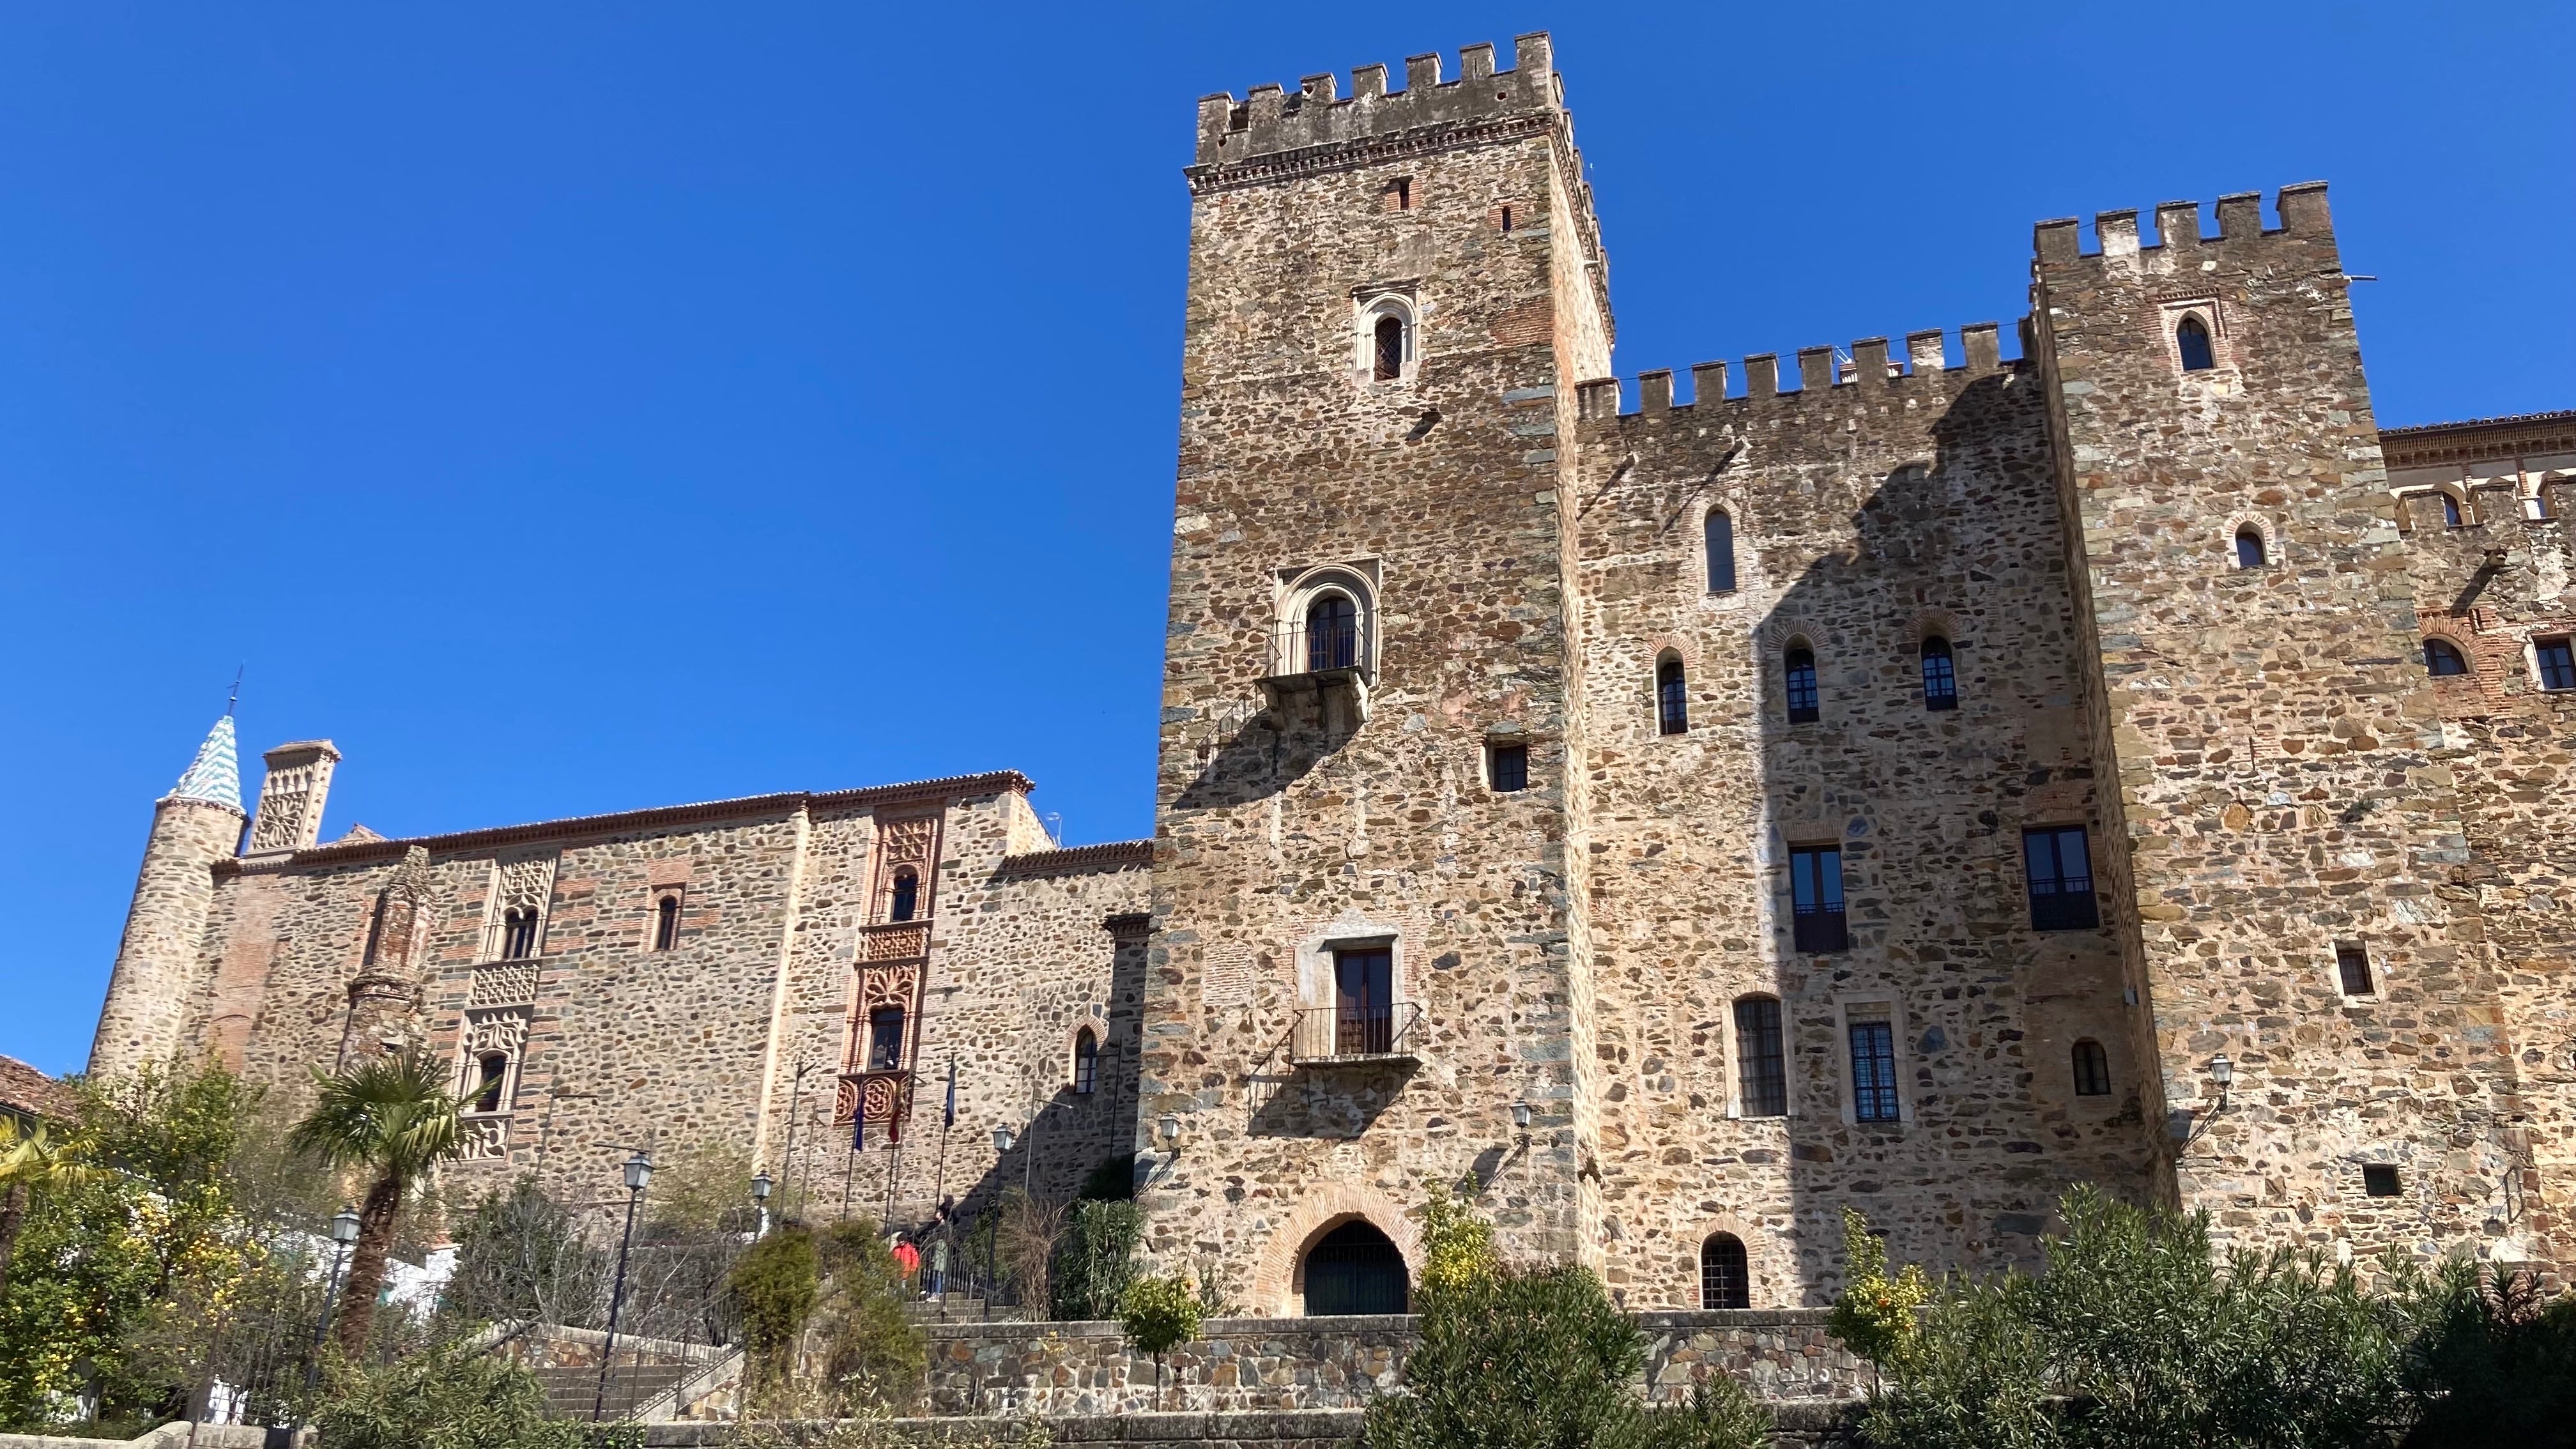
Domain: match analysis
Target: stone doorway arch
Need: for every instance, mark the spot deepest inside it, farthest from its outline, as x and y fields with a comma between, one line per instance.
x=1278, y=1286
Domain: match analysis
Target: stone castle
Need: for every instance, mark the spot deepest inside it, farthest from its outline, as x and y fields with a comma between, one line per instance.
x=1918, y=789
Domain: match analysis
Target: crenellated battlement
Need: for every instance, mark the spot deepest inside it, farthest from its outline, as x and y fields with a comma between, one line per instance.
x=1274, y=121
x=2301, y=208
x=1821, y=371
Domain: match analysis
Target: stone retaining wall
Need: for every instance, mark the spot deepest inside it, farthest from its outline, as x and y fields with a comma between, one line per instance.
x=1281, y=1364
x=1800, y=1424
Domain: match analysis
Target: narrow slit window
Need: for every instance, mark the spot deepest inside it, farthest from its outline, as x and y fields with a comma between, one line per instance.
x=1940, y=675
x=2352, y=971
x=1798, y=666
x=2059, y=866
x=2191, y=340
x=2092, y=1069
x=1507, y=221
x=2442, y=658
x=1816, y=916
x=2249, y=547
x=492, y=1079
x=1761, y=1072
x=2557, y=659
x=885, y=1039
x=1086, y=1062
x=1873, y=1067
x=1719, y=535
x=2451, y=513
x=907, y=896
x=1725, y=1280
x=1672, y=698
x=518, y=933
x=1508, y=767
x=666, y=923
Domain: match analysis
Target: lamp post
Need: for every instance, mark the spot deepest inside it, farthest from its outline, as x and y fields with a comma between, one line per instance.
x=2222, y=1071
x=344, y=1231
x=761, y=1183
x=1521, y=1119
x=639, y=1172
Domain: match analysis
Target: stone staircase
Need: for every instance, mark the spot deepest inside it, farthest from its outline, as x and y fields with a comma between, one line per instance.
x=571, y=1389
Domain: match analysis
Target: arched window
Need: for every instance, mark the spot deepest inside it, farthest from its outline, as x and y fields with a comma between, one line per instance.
x=666, y=923
x=1940, y=675
x=1725, y=1281
x=1761, y=1072
x=907, y=896
x=1719, y=532
x=1799, y=667
x=2442, y=657
x=1387, y=348
x=1672, y=697
x=2249, y=547
x=2191, y=340
x=885, y=1039
x=1354, y=1269
x=492, y=1075
x=2451, y=513
x=2092, y=1069
x=1332, y=633
x=1086, y=1061
x=518, y=933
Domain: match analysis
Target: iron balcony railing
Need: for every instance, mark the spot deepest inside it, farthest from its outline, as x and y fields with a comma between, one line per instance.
x=1820, y=929
x=1298, y=648
x=1354, y=1033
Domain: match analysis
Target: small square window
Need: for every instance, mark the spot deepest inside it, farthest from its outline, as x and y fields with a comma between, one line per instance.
x=1508, y=767
x=1398, y=195
x=2557, y=659
x=2352, y=967
x=2379, y=1180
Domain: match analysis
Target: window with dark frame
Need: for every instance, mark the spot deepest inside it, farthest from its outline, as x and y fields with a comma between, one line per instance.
x=1873, y=1068
x=2379, y=1180
x=2442, y=659
x=1798, y=666
x=666, y=922
x=1363, y=1001
x=1761, y=1070
x=1725, y=1279
x=2249, y=547
x=1672, y=699
x=494, y=1071
x=2352, y=971
x=1508, y=767
x=2557, y=659
x=1940, y=675
x=907, y=896
x=2451, y=513
x=2059, y=867
x=1718, y=535
x=885, y=1039
x=2191, y=340
x=2092, y=1069
x=1389, y=348
x=1086, y=1062
x=1332, y=634
x=518, y=933
x=1816, y=898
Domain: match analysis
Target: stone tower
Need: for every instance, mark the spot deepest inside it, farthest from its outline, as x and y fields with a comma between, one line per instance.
x=198, y=823
x=1364, y=917
x=2293, y=839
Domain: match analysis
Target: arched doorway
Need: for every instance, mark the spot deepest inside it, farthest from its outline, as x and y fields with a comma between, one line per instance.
x=1354, y=1269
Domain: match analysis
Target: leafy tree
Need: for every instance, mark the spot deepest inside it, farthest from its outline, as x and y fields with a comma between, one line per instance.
x=2490, y=1361
x=31, y=1163
x=1097, y=1259
x=451, y=1397
x=521, y=1256
x=393, y=1117
x=1875, y=1314
x=1513, y=1360
x=1457, y=1245
x=775, y=1284
x=1159, y=1313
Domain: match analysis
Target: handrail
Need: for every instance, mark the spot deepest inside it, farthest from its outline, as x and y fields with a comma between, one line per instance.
x=1348, y=1033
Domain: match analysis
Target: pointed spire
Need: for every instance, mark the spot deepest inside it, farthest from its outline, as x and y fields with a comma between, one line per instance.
x=215, y=775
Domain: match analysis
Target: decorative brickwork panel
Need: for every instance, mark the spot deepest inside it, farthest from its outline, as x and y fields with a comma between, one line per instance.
x=895, y=943
x=503, y=983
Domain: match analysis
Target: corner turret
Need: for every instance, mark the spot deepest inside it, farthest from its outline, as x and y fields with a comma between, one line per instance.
x=197, y=824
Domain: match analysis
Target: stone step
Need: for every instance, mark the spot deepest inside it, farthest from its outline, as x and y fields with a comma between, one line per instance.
x=572, y=1389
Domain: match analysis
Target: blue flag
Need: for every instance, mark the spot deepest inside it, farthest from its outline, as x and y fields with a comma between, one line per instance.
x=948, y=1114
x=859, y=1129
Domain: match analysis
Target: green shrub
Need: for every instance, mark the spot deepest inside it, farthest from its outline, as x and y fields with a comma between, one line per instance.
x=1512, y=1360
x=1719, y=1415
x=1457, y=1245
x=450, y=1397
x=1159, y=1313
x=874, y=1357
x=1097, y=1258
x=775, y=1283
x=2490, y=1360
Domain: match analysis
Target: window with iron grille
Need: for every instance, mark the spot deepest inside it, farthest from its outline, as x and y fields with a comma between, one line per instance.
x=2557, y=663
x=2352, y=966
x=1508, y=767
x=1332, y=634
x=1725, y=1280
x=518, y=933
x=1799, y=665
x=1816, y=898
x=2060, y=870
x=1940, y=675
x=1873, y=1068
x=1672, y=698
x=1761, y=1071
x=2092, y=1069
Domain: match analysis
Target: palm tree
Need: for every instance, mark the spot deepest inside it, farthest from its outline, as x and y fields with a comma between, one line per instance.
x=394, y=1117
x=30, y=1163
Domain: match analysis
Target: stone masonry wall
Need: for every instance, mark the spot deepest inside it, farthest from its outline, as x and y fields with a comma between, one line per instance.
x=2276, y=740
x=156, y=971
x=1867, y=514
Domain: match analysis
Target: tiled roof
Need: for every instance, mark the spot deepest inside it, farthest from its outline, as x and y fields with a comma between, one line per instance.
x=26, y=1090
x=215, y=775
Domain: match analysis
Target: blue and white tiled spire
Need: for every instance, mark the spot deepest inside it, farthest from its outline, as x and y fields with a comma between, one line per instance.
x=215, y=775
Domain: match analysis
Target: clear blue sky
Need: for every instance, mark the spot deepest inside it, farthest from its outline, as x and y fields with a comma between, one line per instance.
x=574, y=408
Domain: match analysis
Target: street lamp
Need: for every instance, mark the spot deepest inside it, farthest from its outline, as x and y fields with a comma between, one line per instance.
x=1170, y=1127
x=761, y=1183
x=1521, y=1118
x=2222, y=1071
x=344, y=1231
x=639, y=1173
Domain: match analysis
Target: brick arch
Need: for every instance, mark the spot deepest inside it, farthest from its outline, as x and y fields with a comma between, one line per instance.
x=1928, y=622
x=1277, y=1285
x=2263, y=527
x=1780, y=631
x=1701, y=1229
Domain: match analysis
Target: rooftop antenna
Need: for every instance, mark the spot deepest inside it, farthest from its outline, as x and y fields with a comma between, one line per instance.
x=236, y=694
